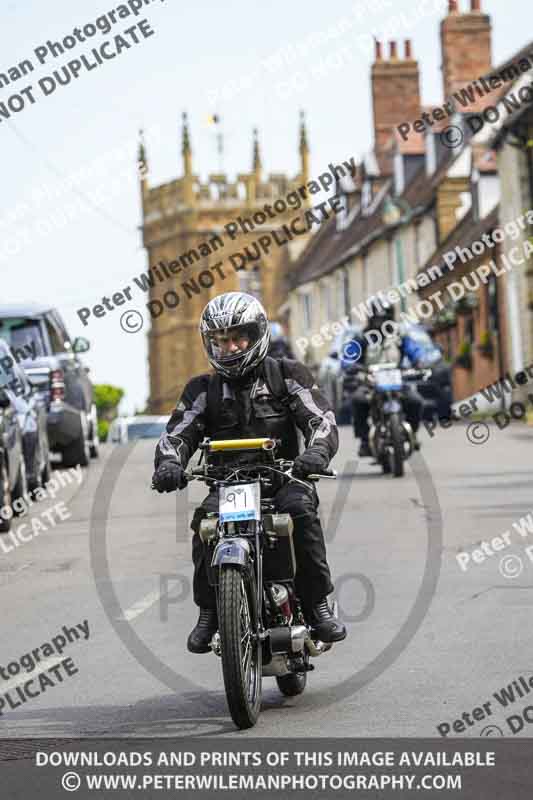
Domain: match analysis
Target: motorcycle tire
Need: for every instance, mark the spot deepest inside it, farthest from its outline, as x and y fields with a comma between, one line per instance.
x=397, y=453
x=237, y=616
x=5, y=524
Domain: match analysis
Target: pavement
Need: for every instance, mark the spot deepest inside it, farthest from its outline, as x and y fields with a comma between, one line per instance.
x=428, y=641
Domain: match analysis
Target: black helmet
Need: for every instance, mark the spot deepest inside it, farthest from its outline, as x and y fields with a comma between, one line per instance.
x=235, y=314
x=380, y=313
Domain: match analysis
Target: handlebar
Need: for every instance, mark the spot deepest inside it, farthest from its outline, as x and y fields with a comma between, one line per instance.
x=368, y=375
x=283, y=466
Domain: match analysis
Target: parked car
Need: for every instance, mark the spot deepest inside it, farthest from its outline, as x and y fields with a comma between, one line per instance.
x=13, y=483
x=331, y=374
x=143, y=426
x=39, y=341
x=32, y=416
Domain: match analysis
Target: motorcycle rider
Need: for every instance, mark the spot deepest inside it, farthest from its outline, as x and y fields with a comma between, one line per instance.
x=388, y=347
x=279, y=346
x=238, y=401
x=422, y=352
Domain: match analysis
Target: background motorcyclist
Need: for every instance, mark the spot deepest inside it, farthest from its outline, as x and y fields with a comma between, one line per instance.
x=279, y=346
x=384, y=347
x=419, y=349
x=238, y=401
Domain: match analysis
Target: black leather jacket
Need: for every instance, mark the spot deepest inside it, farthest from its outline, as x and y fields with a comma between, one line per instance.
x=248, y=408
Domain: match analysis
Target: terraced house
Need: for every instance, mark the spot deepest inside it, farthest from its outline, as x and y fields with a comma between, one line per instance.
x=421, y=199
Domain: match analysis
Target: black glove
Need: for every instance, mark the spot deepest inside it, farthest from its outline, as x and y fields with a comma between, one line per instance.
x=312, y=460
x=169, y=476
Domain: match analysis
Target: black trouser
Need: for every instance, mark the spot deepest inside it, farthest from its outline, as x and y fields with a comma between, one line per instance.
x=313, y=579
x=411, y=404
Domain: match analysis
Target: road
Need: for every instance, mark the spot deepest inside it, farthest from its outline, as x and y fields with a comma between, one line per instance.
x=427, y=640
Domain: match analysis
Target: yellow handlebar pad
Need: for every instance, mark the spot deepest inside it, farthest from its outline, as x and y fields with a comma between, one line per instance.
x=241, y=444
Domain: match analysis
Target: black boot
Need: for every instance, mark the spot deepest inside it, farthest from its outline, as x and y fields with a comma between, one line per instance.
x=364, y=450
x=325, y=625
x=200, y=637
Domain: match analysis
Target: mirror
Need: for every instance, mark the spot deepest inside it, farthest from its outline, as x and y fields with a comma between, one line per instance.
x=80, y=345
x=5, y=402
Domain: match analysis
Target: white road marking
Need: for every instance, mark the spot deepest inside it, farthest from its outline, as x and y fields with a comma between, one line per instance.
x=140, y=606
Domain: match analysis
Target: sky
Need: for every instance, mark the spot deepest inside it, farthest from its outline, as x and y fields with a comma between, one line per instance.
x=70, y=203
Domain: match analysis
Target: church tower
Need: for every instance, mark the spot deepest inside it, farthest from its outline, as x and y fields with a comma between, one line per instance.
x=192, y=256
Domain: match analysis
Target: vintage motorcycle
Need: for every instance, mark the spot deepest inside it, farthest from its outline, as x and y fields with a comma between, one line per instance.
x=250, y=553
x=391, y=438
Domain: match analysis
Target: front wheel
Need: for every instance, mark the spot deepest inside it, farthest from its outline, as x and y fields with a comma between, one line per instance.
x=240, y=650
x=397, y=452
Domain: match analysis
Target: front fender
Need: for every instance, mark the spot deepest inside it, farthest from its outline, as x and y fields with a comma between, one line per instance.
x=231, y=551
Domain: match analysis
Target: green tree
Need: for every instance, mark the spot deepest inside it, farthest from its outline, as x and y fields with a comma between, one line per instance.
x=106, y=399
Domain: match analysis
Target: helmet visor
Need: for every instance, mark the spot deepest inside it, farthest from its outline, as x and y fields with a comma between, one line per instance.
x=228, y=345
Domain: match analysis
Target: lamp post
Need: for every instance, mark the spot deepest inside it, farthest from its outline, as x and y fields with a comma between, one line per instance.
x=397, y=212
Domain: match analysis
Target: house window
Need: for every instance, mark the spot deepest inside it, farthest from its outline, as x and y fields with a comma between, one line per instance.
x=418, y=254
x=332, y=310
x=344, y=292
x=366, y=195
x=393, y=267
x=492, y=305
x=365, y=274
x=250, y=281
x=469, y=329
x=305, y=305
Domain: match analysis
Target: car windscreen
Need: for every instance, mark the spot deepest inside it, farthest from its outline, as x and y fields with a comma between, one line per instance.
x=145, y=430
x=24, y=337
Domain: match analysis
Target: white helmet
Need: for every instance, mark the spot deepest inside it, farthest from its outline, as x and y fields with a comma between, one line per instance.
x=241, y=313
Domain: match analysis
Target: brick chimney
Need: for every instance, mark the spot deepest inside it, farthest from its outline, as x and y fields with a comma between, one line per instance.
x=466, y=44
x=395, y=91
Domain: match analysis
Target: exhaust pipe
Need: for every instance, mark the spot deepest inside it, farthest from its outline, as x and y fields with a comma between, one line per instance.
x=285, y=641
x=316, y=647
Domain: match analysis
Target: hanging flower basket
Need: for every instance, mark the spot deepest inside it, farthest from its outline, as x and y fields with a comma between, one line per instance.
x=467, y=303
x=465, y=362
x=444, y=319
x=486, y=345
x=464, y=357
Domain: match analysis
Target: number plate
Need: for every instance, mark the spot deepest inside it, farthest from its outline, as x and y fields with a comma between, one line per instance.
x=240, y=502
x=389, y=379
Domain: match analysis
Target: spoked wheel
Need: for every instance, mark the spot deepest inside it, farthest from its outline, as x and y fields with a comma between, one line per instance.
x=396, y=452
x=240, y=650
x=294, y=683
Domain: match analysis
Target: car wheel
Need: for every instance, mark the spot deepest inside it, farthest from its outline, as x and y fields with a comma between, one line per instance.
x=77, y=453
x=46, y=473
x=94, y=448
x=5, y=524
x=20, y=491
x=36, y=482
